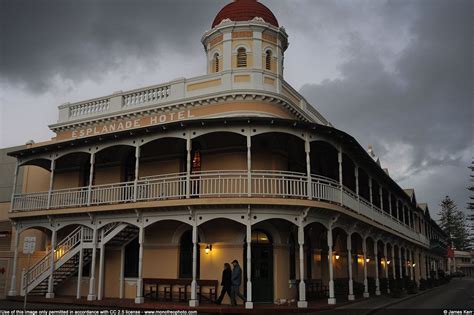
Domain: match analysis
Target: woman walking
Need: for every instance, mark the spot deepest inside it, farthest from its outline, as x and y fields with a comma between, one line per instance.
x=226, y=283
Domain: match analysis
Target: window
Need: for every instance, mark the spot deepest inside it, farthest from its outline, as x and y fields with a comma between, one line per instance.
x=186, y=256
x=268, y=60
x=241, y=58
x=216, y=62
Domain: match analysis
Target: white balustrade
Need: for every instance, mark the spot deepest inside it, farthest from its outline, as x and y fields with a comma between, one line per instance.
x=92, y=107
x=154, y=94
x=213, y=184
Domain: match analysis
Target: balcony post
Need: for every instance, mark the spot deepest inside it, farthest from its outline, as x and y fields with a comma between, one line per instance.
x=394, y=269
x=366, y=283
x=101, y=266
x=332, y=297
x=137, y=168
x=381, y=197
x=91, y=178
x=51, y=182
x=139, y=299
x=193, y=302
x=188, y=165
x=356, y=173
x=427, y=267
x=15, y=179
x=307, y=147
x=12, y=291
x=79, y=271
x=370, y=193
x=249, y=303
x=398, y=210
x=351, y=296
x=377, y=281
x=403, y=214
x=249, y=164
x=386, y=265
x=339, y=160
x=50, y=293
x=411, y=265
x=390, y=203
x=400, y=261
x=302, y=303
x=122, y=270
x=91, y=296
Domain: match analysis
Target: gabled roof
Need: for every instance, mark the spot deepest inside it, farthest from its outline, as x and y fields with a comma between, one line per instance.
x=411, y=193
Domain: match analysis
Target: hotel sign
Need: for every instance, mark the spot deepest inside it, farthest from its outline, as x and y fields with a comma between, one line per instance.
x=127, y=124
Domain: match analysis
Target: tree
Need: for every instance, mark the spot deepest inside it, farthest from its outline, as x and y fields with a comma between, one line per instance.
x=453, y=222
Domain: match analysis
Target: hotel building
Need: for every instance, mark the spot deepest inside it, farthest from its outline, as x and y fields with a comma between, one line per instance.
x=169, y=182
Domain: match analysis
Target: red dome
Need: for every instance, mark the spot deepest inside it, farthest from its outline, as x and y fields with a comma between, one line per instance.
x=245, y=10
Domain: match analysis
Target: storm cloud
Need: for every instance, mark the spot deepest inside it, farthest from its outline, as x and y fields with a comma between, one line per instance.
x=394, y=74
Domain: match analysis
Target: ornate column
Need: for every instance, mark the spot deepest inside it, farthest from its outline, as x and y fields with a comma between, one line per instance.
x=194, y=301
x=50, y=294
x=92, y=296
x=16, y=238
x=137, y=169
x=101, y=266
x=79, y=270
x=332, y=297
x=386, y=266
x=427, y=267
x=51, y=181
x=141, y=239
x=339, y=160
x=249, y=164
x=188, y=165
x=400, y=261
x=381, y=197
x=411, y=265
x=307, y=147
x=370, y=193
x=249, y=303
x=302, y=303
x=390, y=203
x=393, y=263
x=351, y=296
x=91, y=178
x=356, y=173
x=366, y=283
x=122, y=271
x=377, y=281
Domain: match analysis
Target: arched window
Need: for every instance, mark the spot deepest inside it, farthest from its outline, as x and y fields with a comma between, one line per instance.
x=186, y=256
x=241, y=58
x=216, y=62
x=268, y=60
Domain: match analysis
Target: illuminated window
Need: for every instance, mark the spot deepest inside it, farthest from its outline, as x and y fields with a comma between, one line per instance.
x=241, y=58
x=196, y=162
x=268, y=60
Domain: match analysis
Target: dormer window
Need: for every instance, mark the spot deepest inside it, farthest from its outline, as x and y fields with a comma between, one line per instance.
x=216, y=62
x=241, y=58
x=268, y=60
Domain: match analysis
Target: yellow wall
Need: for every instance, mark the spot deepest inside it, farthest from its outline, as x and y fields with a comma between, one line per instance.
x=35, y=179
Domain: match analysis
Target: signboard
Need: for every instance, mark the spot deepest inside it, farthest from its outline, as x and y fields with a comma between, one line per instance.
x=29, y=245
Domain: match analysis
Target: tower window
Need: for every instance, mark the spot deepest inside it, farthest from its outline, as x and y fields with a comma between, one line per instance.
x=241, y=58
x=268, y=60
x=216, y=62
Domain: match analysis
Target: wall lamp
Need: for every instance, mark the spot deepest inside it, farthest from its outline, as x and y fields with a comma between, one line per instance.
x=208, y=248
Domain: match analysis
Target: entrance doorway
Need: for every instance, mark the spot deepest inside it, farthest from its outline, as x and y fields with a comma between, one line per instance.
x=262, y=267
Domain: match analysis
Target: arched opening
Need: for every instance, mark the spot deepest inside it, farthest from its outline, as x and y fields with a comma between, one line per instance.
x=241, y=58
x=364, y=190
x=375, y=193
x=340, y=262
x=268, y=59
x=72, y=170
x=348, y=172
x=386, y=205
x=114, y=164
x=357, y=264
x=324, y=160
x=162, y=156
x=316, y=261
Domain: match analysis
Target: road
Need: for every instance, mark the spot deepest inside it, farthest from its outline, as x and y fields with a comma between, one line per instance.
x=456, y=295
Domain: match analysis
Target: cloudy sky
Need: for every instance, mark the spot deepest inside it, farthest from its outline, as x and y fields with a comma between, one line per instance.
x=394, y=74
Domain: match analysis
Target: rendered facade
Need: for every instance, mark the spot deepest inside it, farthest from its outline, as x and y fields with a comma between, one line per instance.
x=172, y=181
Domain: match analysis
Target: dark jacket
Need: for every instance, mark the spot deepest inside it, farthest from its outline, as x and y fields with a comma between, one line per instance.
x=226, y=278
x=236, y=275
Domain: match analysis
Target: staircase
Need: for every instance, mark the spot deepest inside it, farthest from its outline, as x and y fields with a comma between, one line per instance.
x=67, y=253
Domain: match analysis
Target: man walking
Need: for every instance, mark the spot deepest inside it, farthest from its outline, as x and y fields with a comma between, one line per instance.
x=236, y=280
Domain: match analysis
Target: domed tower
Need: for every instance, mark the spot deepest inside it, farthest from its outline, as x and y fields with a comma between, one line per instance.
x=245, y=35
